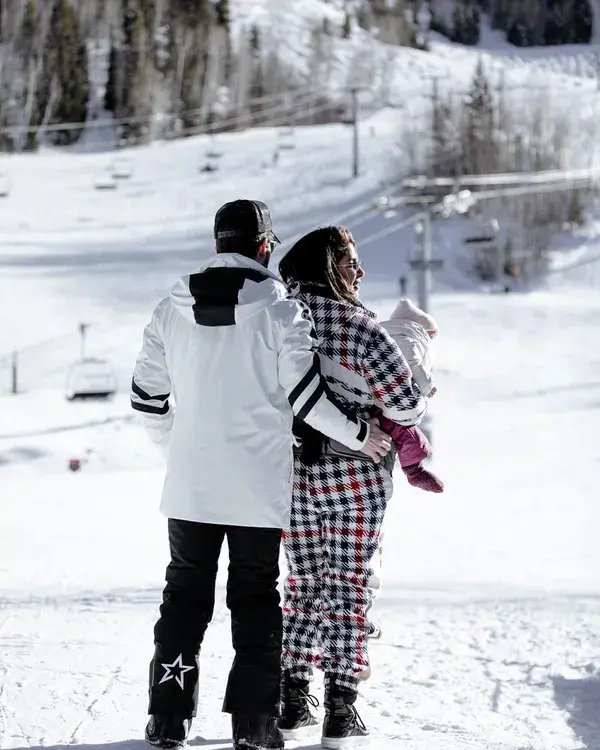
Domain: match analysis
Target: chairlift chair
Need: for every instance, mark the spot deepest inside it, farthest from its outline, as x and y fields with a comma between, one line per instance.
x=121, y=169
x=105, y=181
x=90, y=378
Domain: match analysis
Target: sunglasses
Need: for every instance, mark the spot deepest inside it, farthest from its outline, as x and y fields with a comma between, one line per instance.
x=353, y=264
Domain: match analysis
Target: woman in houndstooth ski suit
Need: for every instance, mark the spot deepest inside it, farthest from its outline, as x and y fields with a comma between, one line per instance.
x=339, y=499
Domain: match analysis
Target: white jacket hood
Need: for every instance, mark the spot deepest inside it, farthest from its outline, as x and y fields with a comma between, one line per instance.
x=226, y=290
x=406, y=310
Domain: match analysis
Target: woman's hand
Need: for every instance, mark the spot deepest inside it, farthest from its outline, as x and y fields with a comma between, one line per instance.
x=379, y=443
x=432, y=392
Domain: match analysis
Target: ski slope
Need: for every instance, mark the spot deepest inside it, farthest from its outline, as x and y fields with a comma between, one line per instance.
x=491, y=600
x=491, y=607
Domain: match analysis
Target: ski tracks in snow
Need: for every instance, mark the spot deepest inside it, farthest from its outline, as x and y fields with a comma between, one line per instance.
x=475, y=675
x=482, y=674
x=91, y=712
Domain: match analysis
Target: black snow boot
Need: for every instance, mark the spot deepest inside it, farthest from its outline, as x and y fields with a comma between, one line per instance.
x=296, y=719
x=168, y=731
x=255, y=732
x=342, y=727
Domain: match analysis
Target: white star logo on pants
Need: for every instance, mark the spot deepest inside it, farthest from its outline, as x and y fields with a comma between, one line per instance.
x=175, y=670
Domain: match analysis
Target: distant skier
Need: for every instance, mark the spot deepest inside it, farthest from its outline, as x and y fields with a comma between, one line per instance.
x=238, y=359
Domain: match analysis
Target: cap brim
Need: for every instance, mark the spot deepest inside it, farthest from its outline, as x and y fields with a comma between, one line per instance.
x=274, y=237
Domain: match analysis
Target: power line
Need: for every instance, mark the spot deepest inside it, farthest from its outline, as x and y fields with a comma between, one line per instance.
x=396, y=227
x=507, y=178
x=155, y=117
x=275, y=116
x=528, y=190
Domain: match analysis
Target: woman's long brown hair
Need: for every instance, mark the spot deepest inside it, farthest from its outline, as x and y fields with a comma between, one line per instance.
x=315, y=259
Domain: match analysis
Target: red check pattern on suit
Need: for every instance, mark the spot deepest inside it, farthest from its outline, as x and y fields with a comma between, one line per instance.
x=339, y=503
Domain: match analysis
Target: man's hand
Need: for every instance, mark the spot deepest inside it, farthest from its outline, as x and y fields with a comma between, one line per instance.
x=378, y=444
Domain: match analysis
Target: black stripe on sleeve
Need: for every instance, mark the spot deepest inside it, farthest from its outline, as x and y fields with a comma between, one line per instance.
x=149, y=409
x=314, y=369
x=363, y=431
x=315, y=396
x=146, y=396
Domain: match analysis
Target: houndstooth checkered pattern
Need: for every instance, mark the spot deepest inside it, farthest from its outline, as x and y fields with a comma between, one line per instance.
x=370, y=369
x=337, y=512
x=338, y=504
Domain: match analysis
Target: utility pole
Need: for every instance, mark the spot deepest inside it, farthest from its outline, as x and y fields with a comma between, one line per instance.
x=82, y=330
x=425, y=274
x=355, y=154
x=426, y=263
x=14, y=373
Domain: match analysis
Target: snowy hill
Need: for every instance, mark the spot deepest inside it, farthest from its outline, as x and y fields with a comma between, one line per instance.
x=490, y=608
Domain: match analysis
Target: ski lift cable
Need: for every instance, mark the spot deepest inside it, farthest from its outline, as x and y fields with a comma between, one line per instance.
x=301, y=94
x=274, y=116
x=532, y=189
x=505, y=178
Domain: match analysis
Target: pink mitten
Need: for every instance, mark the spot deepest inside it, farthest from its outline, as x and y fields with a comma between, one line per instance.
x=418, y=476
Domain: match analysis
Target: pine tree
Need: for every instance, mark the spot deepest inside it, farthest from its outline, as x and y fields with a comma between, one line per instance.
x=519, y=34
x=347, y=30
x=255, y=44
x=65, y=73
x=438, y=24
x=124, y=74
x=414, y=6
x=128, y=64
x=582, y=22
x=473, y=26
x=443, y=139
x=26, y=43
x=460, y=31
x=458, y=24
x=229, y=63
x=148, y=8
x=110, y=94
x=500, y=15
x=575, y=214
x=222, y=11
x=556, y=28
x=28, y=27
x=466, y=23
x=479, y=148
x=363, y=17
x=257, y=79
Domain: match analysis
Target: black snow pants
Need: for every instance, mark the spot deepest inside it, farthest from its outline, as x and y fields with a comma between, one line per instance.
x=187, y=608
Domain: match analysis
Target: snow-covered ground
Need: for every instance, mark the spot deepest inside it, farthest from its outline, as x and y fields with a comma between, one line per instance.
x=491, y=600
x=491, y=606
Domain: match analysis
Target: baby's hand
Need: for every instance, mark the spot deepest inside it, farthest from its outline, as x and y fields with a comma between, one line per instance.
x=432, y=392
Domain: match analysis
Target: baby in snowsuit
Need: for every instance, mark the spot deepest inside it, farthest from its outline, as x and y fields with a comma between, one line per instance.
x=412, y=329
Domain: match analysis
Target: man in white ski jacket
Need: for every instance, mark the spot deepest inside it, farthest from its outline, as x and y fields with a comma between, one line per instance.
x=227, y=361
